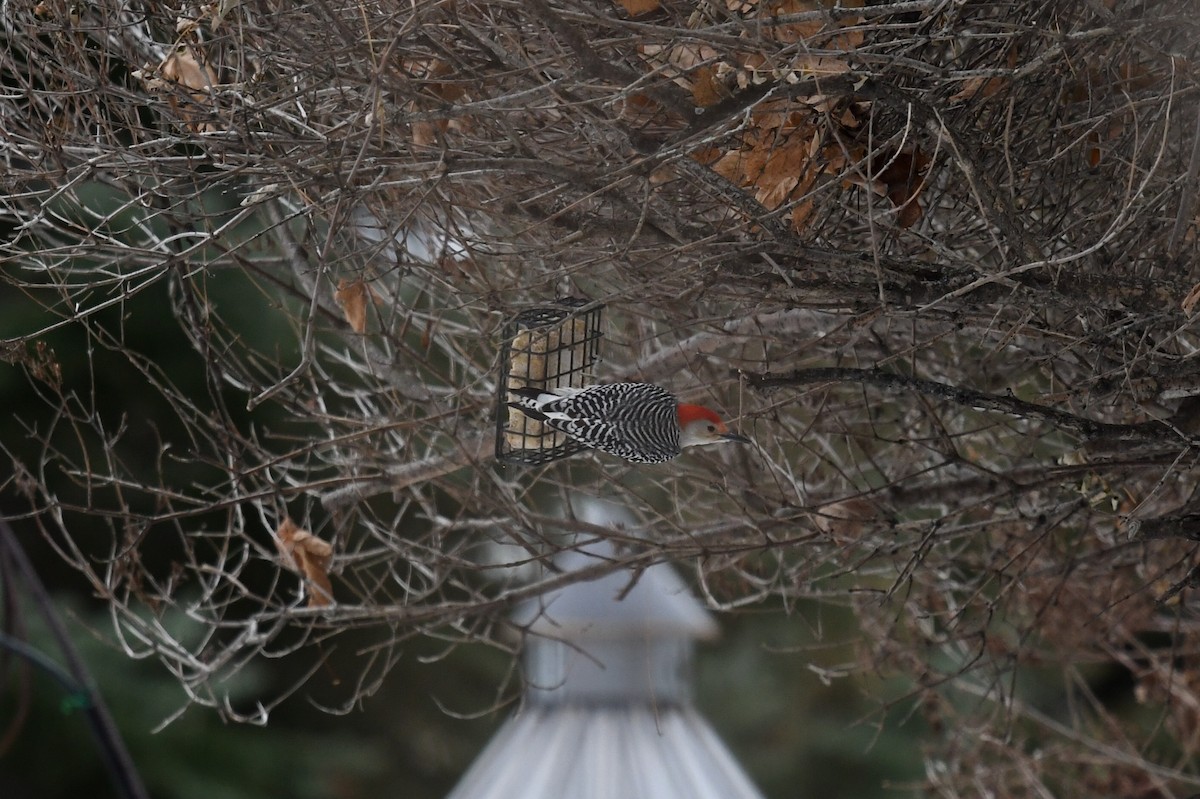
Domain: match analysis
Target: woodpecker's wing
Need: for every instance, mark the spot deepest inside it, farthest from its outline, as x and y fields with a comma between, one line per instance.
x=635, y=421
x=614, y=401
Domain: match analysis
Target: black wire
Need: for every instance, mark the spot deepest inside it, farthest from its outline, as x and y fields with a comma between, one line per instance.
x=75, y=677
x=77, y=695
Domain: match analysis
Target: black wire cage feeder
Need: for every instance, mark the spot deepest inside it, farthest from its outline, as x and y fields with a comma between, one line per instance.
x=545, y=347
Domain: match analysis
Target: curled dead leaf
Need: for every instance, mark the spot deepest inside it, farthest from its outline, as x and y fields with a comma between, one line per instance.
x=308, y=556
x=39, y=360
x=353, y=296
x=781, y=172
x=52, y=10
x=183, y=69
x=647, y=116
x=1189, y=302
x=979, y=87
x=437, y=77
x=434, y=78
x=903, y=178
x=845, y=518
x=635, y=8
x=707, y=88
x=790, y=32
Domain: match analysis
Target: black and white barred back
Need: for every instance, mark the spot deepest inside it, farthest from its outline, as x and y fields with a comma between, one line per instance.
x=635, y=421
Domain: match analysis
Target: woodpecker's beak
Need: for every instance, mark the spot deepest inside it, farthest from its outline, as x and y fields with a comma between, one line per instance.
x=736, y=437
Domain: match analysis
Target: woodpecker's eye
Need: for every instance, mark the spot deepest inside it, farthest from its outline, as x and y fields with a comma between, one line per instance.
x=712, y=428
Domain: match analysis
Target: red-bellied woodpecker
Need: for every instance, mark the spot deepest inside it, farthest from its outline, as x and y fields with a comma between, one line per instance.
x=639, y=422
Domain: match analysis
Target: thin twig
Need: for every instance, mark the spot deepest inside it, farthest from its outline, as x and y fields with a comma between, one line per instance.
x=896, y=383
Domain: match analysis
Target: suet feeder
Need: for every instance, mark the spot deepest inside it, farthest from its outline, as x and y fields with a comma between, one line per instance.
x=546, y=347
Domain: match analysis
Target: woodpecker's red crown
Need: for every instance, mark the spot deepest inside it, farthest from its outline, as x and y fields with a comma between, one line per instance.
x=692, y=413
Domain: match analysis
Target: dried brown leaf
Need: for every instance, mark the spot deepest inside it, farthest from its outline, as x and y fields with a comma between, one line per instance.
x=647, y=116
x=844, y=519
x=429, y=72
x=909, y=211
x=1189, y=302
x=979, y=87
x=308, y=556
x=781, y=172
x=904, y=178
x=707, y=88
x=730, y=166
x=792, y=32
x=40, y=361
x=353, y=296
x=801, y=213
x=635, y=8
x=182, y=67
x=708, y=154
x=424, y=134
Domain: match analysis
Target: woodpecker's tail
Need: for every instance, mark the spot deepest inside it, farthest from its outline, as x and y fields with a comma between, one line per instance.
x=525, y=394
x=536, y=399
x=529, y=401
x=535, y=415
